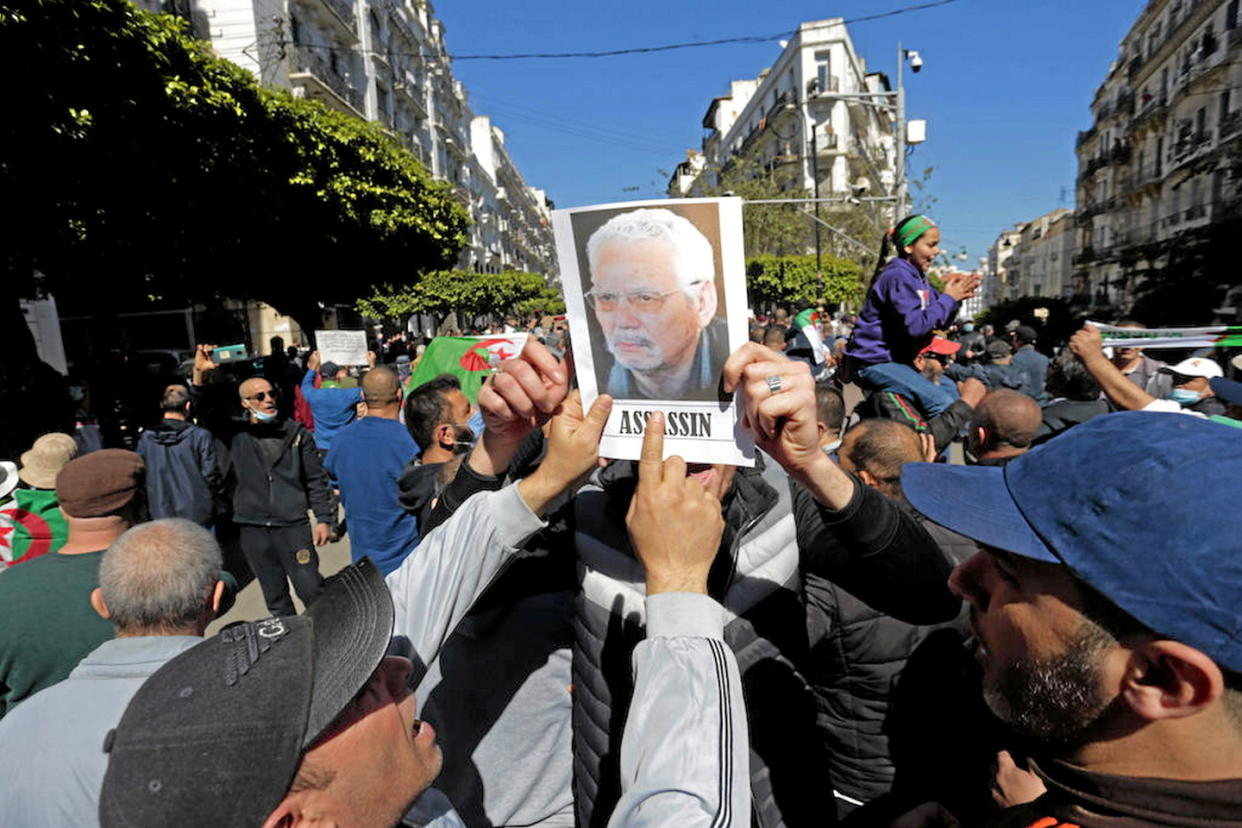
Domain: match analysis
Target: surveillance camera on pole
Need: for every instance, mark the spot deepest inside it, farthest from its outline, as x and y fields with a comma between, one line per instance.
x=916, y=62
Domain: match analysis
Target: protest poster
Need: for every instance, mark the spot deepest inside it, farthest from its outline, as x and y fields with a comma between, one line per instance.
x=655, y=295
x=342, y=347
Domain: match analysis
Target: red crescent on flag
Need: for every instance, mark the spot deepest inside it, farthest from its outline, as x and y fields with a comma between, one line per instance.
x=476, y=359
x=40, y=534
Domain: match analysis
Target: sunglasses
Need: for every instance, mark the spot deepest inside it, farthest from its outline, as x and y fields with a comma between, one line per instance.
x=263, y=395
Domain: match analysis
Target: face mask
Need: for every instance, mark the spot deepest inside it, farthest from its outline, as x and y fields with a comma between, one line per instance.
x=968, y=328
x=262, y=416
x=1184, y=396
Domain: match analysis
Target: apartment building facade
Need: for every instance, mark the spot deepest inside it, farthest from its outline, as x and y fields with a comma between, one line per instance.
x=790, y=119
x=1156, y=166
x=1041, y=257
x=386, y=61
x=996, y=286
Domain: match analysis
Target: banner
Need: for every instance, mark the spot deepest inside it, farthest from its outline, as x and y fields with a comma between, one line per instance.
x=342, y=347
x=655, y=294
x=1212, y=336
x=469, y=358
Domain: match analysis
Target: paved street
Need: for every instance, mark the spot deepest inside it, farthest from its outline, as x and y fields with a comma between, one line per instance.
x=249, y=605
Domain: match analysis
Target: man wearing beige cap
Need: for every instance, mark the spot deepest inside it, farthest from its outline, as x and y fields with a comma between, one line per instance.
x=31, y=523
x=47, y=623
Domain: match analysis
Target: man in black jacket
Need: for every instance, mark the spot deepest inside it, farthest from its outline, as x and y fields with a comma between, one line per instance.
x=278, y=474
x=183, y=474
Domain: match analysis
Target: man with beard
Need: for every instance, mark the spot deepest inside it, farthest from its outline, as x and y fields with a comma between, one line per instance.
x=436, y=413
x=1109, y=636
x=653, y=292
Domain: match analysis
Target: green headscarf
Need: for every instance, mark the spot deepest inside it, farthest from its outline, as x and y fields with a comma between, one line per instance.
x=912, y=229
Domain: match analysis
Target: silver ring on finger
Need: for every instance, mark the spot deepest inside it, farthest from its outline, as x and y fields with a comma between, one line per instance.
x=774, y=383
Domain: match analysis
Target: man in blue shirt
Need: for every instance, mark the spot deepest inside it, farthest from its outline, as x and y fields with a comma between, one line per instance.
x=334, y=407
x=366, y=459
x=1030, y=362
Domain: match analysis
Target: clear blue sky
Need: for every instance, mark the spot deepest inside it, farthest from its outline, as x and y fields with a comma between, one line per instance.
x=1005, y=87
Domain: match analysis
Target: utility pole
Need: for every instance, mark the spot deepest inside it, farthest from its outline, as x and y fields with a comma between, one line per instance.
x=902, y=193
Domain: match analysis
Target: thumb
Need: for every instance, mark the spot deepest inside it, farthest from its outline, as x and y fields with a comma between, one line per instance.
x=597, y=417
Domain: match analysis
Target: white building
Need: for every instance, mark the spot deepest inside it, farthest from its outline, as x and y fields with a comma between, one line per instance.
x=789, y=119
x=386, y=61
x=996, y=282
x=1041, y=259
x=1154, y=168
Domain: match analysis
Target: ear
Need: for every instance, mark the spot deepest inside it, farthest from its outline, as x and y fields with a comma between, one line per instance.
x=217, y=595
x=706, y=304
x=868, y=478
x=1170, y=680
x=821, y=429
x=981, y=436
x=97, y=602
x=287, y=814
x=444, y=434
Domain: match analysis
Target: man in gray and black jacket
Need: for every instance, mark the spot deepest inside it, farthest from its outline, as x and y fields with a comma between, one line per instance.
x=773, y=525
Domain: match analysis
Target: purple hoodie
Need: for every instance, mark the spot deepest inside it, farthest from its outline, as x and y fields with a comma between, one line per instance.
x=898, y=318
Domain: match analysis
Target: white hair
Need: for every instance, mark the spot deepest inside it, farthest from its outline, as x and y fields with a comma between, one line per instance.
x=692, y=251
x=159, y=575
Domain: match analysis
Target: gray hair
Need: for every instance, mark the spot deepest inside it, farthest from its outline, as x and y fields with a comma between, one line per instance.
x=159, y=575
x=692, y=251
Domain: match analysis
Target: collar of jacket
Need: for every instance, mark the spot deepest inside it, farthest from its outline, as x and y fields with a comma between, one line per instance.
x=748, y=499
x=286, y=430
x=1143, y=800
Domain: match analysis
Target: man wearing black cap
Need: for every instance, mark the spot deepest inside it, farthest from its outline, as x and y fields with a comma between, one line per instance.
x=1110, y=637
x=300, y=720
x=1030, y=362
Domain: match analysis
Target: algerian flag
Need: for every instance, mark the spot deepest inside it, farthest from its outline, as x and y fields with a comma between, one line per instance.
x=469, y=358
x=31, y=524
x=1224, y=336
x=808, y=323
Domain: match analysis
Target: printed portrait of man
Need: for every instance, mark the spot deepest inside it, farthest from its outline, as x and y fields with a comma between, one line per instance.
x=651, y=287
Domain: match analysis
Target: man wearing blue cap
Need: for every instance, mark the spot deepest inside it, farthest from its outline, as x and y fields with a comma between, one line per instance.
x=1108, y=636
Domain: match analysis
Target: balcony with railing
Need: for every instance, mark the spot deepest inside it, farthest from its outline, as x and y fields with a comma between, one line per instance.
x=1230, y=125
x=320, y=77
x=1188, y=147
x=344, y=12
x=1085, y=256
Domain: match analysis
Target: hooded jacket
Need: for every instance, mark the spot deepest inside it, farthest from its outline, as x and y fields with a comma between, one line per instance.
x=279, y=493
x=897, y=320
x=183, y=474
x=775, y=534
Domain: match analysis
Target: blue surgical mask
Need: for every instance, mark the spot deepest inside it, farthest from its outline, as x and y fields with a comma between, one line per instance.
x=262, y=416
x=1184, y=396
x=968, y=327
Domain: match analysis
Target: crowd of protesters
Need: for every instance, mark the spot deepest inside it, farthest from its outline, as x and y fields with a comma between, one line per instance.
x=999, y=586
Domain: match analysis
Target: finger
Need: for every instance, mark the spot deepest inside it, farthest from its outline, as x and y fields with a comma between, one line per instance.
x=795, y=405
x=493, y=405
x=593, y=425
x=543, y=396
x=675, y=470
x=651, y=458
x=1004, y=761
x=543, y=361
x=738, y=360
x=513, y=394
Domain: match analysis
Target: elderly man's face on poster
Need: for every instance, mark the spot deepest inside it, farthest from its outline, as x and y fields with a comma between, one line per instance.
x=655, y=295
x=650, y=314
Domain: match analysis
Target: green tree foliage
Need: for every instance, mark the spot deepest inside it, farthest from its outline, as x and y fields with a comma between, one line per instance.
x=147, y=169
x=770, y=229
x=791, y=281
x=468, y=293
x=550, y=301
